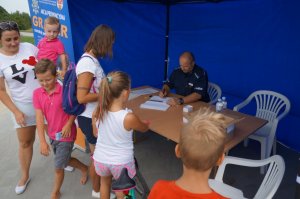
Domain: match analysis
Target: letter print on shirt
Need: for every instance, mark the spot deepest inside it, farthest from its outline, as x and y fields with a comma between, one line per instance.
x=20, y=75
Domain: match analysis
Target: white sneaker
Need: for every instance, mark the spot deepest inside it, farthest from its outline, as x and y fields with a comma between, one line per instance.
x=112, y=195
x=69, y=168
x=97, y=195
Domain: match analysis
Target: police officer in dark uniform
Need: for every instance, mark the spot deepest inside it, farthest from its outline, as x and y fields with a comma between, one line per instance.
x=189, y=80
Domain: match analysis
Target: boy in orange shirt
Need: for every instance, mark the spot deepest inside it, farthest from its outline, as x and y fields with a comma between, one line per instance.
x=201, y=147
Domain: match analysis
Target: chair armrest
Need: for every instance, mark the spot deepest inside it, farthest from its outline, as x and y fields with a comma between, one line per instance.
x=241, y=162
x=225, y=189
x=242, y=104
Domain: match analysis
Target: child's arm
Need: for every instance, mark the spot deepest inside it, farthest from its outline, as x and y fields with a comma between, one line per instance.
x=64, y=67
x=95, y=129
x=66, y=130
x=44, y=147
x=131, y=121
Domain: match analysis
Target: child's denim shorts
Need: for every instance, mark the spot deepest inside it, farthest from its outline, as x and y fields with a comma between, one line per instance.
x=62, y=153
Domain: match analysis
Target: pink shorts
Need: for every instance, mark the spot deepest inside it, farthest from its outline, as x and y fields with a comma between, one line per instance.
x=114, y=170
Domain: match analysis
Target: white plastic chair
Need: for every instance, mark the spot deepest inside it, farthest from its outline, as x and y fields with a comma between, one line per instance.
x=270, y=106
x=269, y=185
x=214, y=91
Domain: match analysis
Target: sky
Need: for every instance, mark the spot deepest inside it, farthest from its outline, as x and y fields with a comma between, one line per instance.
x=15, y=5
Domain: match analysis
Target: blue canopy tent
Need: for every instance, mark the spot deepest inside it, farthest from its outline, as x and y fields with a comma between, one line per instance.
x=245, y=45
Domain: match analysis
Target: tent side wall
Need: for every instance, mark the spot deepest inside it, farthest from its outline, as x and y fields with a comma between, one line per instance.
x=244, y=45
x=139, y=47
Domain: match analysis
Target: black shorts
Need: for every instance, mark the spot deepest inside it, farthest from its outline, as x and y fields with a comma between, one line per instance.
x=85, y=124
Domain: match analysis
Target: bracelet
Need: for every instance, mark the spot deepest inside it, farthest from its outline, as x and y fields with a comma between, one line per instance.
x=180, y=100
x=82, y=88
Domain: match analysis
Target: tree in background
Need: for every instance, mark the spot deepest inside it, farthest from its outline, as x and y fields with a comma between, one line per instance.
x=23, y=19
x=4, y=15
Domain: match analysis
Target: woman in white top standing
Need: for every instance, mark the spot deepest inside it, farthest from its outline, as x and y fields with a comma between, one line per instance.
x=17, y=61
x=89, y=73
x=115, y=123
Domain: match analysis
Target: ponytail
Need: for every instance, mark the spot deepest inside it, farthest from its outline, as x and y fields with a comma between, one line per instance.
x=111, y=88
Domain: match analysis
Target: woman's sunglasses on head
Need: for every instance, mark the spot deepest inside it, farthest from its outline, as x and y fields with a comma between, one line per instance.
x=9, y=25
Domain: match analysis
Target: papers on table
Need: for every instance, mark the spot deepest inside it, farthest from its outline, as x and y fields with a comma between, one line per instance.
x=159, y=99
x=144, y=91
x=139, y=92
x=161, y=106
x=132, y=96
x=156, y=103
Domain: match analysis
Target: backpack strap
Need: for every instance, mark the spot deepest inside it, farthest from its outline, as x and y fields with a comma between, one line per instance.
x=83, y=56
x=72, y=65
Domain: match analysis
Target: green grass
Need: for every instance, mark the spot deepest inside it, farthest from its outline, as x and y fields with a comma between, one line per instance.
x=29, y=30
x=27, y=39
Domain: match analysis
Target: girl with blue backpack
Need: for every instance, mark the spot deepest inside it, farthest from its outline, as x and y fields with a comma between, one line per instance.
x=89, y=74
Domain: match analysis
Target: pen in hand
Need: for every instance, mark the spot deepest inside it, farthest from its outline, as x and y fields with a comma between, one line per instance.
x=163, y=93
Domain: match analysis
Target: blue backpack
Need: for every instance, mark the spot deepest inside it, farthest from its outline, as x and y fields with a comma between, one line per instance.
x=70, y=103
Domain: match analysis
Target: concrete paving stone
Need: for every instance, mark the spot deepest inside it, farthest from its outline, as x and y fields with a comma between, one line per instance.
x=155, y=156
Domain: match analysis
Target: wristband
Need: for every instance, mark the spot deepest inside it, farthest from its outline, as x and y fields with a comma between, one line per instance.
x=180, y=100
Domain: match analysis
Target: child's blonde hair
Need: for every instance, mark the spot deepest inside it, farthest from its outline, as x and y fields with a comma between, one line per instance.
x=111, y=88
x=202, y=140
x=101, y=41
x=52, y=21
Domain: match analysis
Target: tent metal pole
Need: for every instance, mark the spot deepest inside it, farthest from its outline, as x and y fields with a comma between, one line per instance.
x=167, y=41
x=297, y=195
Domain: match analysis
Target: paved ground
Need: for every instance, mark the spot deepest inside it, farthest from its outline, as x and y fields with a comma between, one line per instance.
x=28, y=34
x=156, y=158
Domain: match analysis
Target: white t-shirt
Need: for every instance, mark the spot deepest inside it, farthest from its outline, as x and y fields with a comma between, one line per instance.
x=86, y=64
x=114, y=143
x=18, y=72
